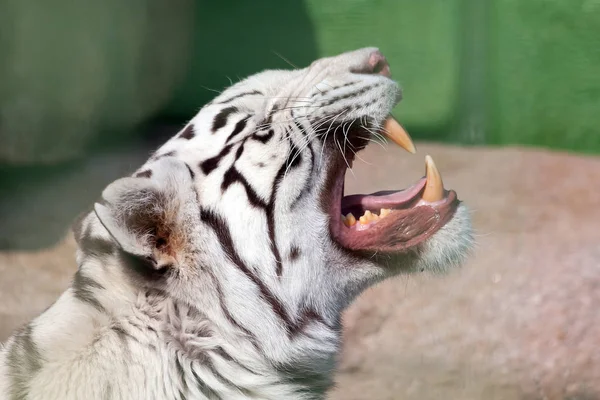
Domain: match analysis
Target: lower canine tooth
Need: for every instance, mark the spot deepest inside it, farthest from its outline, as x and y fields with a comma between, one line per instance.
x=434, y=188
x=384, y=212
x=363, y=220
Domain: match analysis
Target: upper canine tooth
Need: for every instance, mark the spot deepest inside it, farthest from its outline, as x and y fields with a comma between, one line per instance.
x=434, y=188
x=395, y=132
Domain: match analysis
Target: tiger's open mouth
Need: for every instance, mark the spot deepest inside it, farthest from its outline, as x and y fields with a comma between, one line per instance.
x=390, y=221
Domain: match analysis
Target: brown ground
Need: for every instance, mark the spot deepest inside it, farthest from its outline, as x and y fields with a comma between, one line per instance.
x=516, y=322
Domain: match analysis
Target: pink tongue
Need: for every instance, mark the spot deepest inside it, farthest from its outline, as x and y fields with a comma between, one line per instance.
x=379, y=200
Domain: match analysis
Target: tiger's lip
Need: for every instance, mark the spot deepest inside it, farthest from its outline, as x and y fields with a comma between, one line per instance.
x=412, y=221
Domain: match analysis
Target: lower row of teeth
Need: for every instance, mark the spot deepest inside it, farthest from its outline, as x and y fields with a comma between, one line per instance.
x=367, y=218
x=432, y=193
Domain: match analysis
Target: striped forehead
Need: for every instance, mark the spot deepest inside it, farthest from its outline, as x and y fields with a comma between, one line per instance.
x=258, y=122
x=223, y=147
x=214, y=133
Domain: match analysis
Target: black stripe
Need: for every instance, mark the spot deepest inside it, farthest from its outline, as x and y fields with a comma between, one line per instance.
x=271, y=220
x=181, y=373
x=309, y=184
x=208, y=362
x=221, y=352
x=122, y=333
x=323, y=92
x=187, y=133
x=167, y=154
x=192, y=173
x=264, y=138
x=207, y=166
x=294, y=252
x=239, y=127
x=225, y=310
x=300, y=128
x=78, y=224
x=144, y=174
x=350, y=95
x=309, y=382
x=269, y=119
x=204, y=388
x=222, y=232
x=273, y=239
x=95, y=246
x=362, y=105
x=308, y=316
x=294, y=159
x=23, y=361
x=123, y=336
x=82, y=290
x=237, y=96
x=233, y=176
x=142, y=266
x=221, y=118
x=239, y=151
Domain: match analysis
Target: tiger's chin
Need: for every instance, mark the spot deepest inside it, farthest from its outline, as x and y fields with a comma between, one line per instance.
x=422, y=227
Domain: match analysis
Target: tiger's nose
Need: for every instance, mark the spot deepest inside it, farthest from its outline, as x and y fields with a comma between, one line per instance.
x=378, y=64
x=368, y=60
x=372, y=62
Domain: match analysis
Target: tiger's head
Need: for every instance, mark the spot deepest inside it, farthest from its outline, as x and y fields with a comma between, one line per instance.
x=242, y=214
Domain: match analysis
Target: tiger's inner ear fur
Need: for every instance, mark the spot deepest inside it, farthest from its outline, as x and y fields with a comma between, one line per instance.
x=150, y=215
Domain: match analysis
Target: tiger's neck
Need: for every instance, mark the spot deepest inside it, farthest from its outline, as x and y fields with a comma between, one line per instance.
x=105, y=335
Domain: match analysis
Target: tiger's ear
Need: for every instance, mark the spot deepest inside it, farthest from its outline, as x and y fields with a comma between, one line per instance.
x=151, y=215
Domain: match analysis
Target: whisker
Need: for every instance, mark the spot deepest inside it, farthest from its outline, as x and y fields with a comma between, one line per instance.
x=375, y=140
x=284, y=59
x=360, y=158
x=377, y=135
x=211, y=90
x=328, y=130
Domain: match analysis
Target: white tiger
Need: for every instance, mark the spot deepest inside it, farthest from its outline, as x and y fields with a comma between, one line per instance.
x=220, y=269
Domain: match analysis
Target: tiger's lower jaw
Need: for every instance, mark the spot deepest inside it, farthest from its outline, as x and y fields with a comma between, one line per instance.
x=390, y=222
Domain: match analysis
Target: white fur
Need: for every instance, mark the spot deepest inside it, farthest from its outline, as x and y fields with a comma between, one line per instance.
x=207, y=323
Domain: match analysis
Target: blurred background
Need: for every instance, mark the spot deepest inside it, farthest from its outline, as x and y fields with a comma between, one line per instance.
x=505, y=94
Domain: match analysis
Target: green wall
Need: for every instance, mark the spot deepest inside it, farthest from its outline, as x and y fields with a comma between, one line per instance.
x=498, y=72
x=544, y=73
